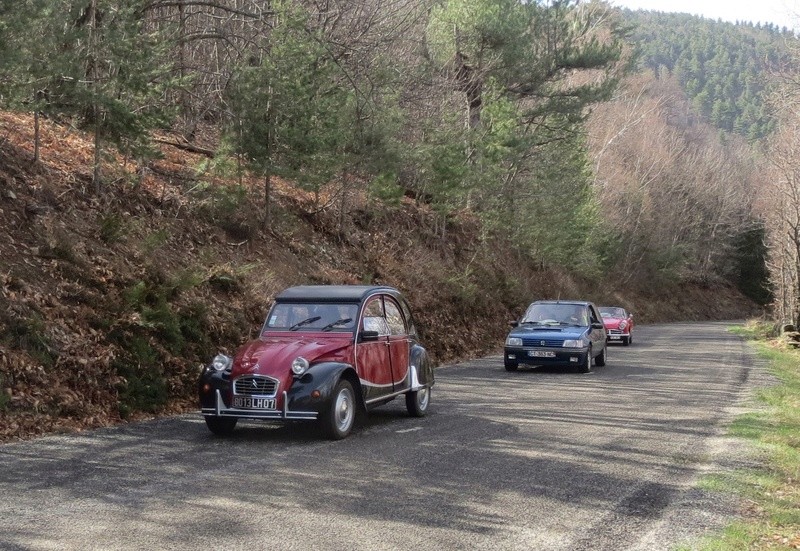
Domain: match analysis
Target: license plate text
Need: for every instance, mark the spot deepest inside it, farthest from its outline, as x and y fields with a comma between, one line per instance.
x=247, y=402
x=541, y=354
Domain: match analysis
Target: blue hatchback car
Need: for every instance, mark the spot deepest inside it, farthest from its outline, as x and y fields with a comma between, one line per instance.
x=559, y=333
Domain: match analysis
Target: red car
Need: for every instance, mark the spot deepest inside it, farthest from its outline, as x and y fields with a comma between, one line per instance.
x=619, y=324
x=324, y=353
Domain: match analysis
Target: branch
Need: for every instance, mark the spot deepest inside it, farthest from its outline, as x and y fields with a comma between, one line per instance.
x=188, y=147
x=207, y=3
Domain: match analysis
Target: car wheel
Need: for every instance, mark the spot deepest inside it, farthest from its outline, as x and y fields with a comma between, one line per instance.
x=338, y=419
x=629, y=340
x=221, y=426
x=510, y=366
x=417, y=401
x=586, y=365
x=600, y=360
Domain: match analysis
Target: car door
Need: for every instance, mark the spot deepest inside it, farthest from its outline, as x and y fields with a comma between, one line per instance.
x=399, y=343
x=596, y=334
x=373, y=362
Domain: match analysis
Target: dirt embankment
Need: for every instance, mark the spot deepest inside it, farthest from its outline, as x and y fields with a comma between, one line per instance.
x=109, y=302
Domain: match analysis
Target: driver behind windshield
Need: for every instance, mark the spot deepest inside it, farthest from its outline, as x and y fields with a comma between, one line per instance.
x=557, y=314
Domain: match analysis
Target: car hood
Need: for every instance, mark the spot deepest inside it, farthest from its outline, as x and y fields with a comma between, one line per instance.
x=612, y=323
x=273, y=355
x=545, y=332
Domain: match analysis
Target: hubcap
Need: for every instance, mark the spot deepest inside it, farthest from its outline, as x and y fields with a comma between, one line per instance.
x=344, y=410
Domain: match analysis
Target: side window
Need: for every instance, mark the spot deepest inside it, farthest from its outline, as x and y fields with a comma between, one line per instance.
x=593, y=317
x=394, y=318
x=409, y=318
x=374, y=319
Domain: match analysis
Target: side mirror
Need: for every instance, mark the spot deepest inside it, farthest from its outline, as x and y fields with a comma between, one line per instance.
x=366, y=336
x=597, y=325
x=514, y=323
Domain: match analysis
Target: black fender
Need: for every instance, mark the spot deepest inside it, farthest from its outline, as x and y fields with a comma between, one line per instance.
x=217, y=380
x=321, y=377
x=419, y=360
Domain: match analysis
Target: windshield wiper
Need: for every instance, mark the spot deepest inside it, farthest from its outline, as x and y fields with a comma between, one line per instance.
x=337, y=322
x=306, y=321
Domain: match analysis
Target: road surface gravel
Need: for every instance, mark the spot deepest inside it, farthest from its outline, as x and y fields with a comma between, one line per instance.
x=538, y=459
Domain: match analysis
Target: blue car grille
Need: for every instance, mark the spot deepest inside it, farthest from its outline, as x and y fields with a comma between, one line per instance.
x=553, y=343
x=255, y=385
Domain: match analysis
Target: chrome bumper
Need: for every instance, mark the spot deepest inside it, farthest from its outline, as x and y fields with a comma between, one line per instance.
x=220, y=410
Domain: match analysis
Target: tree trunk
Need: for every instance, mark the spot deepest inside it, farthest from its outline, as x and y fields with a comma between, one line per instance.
x=343, y=202
x=267, y=199
x=268, y=156
x=36, y=137
x=95, y=105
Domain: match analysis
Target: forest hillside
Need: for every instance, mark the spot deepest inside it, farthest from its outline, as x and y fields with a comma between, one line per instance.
x=109, y=305
x=167, y=168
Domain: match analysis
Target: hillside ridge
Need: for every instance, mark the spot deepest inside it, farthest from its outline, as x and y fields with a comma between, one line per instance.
x=110, y=302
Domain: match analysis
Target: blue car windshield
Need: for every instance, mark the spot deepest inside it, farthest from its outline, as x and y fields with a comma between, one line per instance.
x=556, y=314
x=305, y=316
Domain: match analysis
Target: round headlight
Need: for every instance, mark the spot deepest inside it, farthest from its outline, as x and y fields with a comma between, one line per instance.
x=299, y=365
x=221, y=362
x=623, y=325
x=513, y=341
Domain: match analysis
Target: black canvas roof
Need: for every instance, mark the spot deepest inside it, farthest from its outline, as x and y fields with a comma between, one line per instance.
x=331, y=293
x=571, y=302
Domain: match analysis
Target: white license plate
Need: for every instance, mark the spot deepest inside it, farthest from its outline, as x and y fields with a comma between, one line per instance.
x=247, y=402
x=614, y=337
x=541, y=354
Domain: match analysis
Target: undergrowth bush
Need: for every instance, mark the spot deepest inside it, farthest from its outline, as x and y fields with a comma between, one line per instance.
x=227, y=207
x=155, y=241
x=143, y=387
x=5, y=399
x=112, y=228
x=30, y=334
x=162, y=329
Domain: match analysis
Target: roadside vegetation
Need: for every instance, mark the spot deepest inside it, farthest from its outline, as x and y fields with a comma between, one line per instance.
x=771, y=492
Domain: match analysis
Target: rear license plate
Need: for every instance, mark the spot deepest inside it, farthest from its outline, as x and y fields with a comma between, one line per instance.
x=541, y=354
x=246, y=402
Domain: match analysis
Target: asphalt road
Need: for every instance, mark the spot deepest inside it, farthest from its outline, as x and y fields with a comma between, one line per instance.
x=538, y=459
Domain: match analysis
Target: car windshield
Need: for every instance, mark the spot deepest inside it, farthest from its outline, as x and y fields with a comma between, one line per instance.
x=556, y=314
x=611, y=312
x=286, y=316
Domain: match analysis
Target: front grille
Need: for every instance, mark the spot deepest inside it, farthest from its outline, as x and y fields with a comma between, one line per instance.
x=552, y=343
x=255, y=385
x=614, y=332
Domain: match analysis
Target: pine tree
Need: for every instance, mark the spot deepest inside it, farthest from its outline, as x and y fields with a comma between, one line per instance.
x=96, y=62
x=288, y=108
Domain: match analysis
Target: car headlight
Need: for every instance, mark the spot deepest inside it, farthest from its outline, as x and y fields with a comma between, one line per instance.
x=623, y=325
x=574, y=343
x=221, y=362
x=513, y=341
x=299, y=365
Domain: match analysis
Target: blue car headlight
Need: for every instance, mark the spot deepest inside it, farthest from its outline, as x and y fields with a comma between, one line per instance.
x=513, y=341
x=576, y=343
